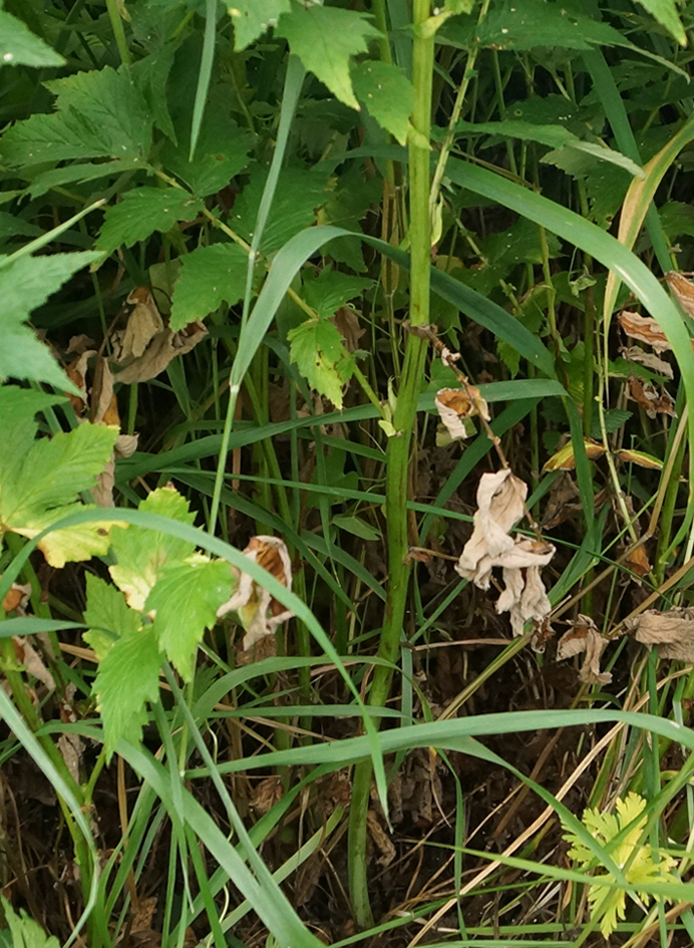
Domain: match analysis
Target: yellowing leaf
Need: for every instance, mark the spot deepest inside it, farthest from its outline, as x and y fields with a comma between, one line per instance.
x=565, y=459
x=640, y=458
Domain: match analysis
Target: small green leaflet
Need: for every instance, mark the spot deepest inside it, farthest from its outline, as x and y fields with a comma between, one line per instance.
x=24, y=931
x=209, y=277
x=141, y=212
x=665, y=12
x=252, y=18
x=128, y=677
x=356, y=526
x=318, y=349
x=221, y=153
x=387, y=94
x=142, y=553
x=331, y=289
x=19, y=47
x=26, y=283
x=532, y=23
x=324, y=39
x=108, y=615
x=40, y=481
x=185, y=600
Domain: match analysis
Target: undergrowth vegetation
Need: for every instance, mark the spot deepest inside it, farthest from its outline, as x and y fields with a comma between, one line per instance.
x=345, y=513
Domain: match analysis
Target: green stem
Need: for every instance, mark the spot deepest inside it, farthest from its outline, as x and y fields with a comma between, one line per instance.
x=118, y=31
x=398, y=449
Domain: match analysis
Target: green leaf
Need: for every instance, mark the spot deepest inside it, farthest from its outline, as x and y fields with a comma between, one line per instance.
x=356, y=526
x=665, y=12
x=324, y=39
x=251, y=19
x=221, y=153
x=143, y=211
x=127, y=679
x=331, y=289
x=19, y=47
x=79, y=173
x=186, y=599
x=318, y=349
x=24, y=931
x=522, y=26
x=100, y=113
x=150, y=75
x=108, y=615
x=552, y=135
x=601, y=152
x=25, y=283
x=387, y=94
x=41, y=480
x=209, y=277
x=142, y=554
x=298, y=197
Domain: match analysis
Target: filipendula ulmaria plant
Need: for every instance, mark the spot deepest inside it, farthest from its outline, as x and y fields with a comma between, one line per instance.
x=621, y=834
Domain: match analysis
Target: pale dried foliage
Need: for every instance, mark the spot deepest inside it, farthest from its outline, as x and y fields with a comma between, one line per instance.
x=671, y=631
x=454, y=405
x=501, y=503
x=645, y=329
x=584, y=638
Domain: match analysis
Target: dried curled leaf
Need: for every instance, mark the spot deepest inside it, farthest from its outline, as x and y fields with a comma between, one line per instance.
x=649, y=359
x=647, y=397
x=565, y=458
x=682, y=290
x=143, y=325
x=645, y=329
x=258, y=611
x=500, y=504
x=524, y=596
x=671, y=631
x=456, y=405
x=583, y=638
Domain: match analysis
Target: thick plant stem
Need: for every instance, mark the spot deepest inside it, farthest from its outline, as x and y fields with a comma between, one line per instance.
x=399, y=445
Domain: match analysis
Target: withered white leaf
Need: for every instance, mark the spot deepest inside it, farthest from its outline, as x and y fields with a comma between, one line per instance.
x=645, y=329
x=671, y=631
x=584, y=638
x=455, y=405
x=500, y=502
x=524, y=596
x=258, y=611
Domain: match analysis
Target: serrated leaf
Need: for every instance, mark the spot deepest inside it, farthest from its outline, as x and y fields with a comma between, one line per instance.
x=108, y=615
x=151, y=75
x=251, y=19
x=324, y=39
x=185, y=600
x=209, y=277
x=142, y=212
x=299, y=195
x=331, y=289
x=602, y=153
x=100, y=113
x=523, y=26
x=318, y=349
x=26, y=283
x=221, y=153
x=665, y=12
x=19, y=46
x=142, y=554
x=127, y=679
x=387, y=94
x=79, y=173
x=24, y=931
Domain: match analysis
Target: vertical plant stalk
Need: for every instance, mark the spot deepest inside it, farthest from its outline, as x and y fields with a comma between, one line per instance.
x=118, y=31
x=399, y=445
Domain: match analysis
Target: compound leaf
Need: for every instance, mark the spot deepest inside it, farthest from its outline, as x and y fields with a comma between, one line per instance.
x=19, y=46
x=318, y=349
x=141, y=212
x=209, y=277
x=108, y=614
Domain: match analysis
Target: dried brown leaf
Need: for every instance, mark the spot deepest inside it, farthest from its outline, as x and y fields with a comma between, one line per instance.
x=266, y=794
x=637, y=561
x=682, y=290
x=645, y=329
x=32, y=661
x=347, y=323
x=143, y=325
x=163, y=348
x=671, y=631
x=16, y=598
x=583, y=638
x=456, y=404
x=383, y=842
x=647, y=397
x=565, y=458
x=649, y=359
x=524, y=596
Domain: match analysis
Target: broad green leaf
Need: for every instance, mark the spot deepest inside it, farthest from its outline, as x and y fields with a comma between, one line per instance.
x=532, y=23
x=552, y=135
x=24, y=931
x=358, y=527
x=221, y=153
x=331, y=289
x=665, y=12
x=12, y=226
x=78, y=173
x=387, y=94
x=19, y=46
x=40, y=486
x=324, y=39
x=142, y=212
x=108, y=614
x=209, y=277
x=601, y=152
x=318, y=349
x=150, y=75
x=142, y=554
x=298, y=197
x=185, y=601
x=251, y=19
x=18, y=406
x=25, y=283
x=100, y=113
x=127, y=679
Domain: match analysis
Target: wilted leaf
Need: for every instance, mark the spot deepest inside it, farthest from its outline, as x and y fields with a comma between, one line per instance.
x=682, y=290
x=645, y=329
x=163, y=348
x=637, y=561
x=258, y=611
x=565, y=459
x=671, y=631
x=500, y=503
x=649, y=359
x=16, y=598
x=584, y=638
x=640, y=458
x=143, y=324
x=347, y=323
x=455, y=405
x=524, y=596
x=647, y=397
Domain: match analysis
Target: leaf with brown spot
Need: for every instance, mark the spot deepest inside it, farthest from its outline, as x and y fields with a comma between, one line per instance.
x=565, y=458
x=645, y=329
x=456, y=405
